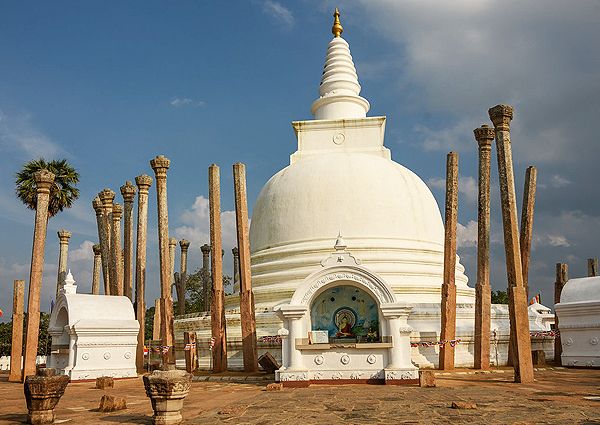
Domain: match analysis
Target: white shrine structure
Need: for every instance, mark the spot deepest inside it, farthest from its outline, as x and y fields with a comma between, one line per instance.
x=579, y=322
x=351, y=311
x=92, y=335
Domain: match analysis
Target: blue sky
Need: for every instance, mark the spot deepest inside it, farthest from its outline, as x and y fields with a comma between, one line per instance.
x=109, y=85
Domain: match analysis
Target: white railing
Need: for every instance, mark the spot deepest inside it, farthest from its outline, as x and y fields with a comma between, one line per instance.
x=5, y=361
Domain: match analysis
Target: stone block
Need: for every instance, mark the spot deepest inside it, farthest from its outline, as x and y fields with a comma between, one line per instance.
x=104, y=382
x=426, y=379
x=275, y=386
x=268, y=362
x=538, y=357
x=464, y=405
x=110, y=403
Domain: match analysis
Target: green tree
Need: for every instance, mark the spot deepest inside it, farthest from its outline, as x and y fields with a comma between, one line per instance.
x=62, y=193
x=499, y=297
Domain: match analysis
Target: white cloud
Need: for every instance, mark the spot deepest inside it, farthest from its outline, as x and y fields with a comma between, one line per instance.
x=18, y=134
x=179, y=102
x=83, y=253
x=466, y=236
x=278, y=12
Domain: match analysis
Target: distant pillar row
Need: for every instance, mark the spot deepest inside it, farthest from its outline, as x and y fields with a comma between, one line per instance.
x=236, y=269
x=562, y=276
x=116, y=263
x=484, y=136
x=63, y=254
x=448, y=306
x=103, y=238
x=206, y=279
x=97, y=269
x=16, y=348
x=107, y=197
x=128, y=192
x=181, y=287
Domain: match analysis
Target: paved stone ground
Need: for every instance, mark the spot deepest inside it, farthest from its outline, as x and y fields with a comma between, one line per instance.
x=559, y=396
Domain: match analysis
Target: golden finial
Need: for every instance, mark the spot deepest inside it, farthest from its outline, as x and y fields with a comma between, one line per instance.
x=337, y=28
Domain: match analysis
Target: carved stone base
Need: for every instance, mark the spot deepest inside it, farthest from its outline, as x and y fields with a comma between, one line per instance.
x=304, y=378
x=42, y=392
x=167, y=390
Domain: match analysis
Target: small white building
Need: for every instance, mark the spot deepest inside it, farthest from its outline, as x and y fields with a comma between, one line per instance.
x=579, y=322
x=92, y=335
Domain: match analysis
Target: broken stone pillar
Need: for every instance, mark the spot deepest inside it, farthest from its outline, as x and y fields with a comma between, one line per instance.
x=206, y=281
x=426, y=379
x=172, y=248
x=167, y=390
x=184, y=245
x=217, y=310
x=104, y=238
x=97, y=269
x=247, y=316
x=156, y=321
x=592, y=267
x=63, y=254
x=527, y=223
x=562, y=276
x=143, y=183
x=160, y=165
x=448, y=305
x=483, y=301
x=16, y=347
x=44, y=180
x=501, y=115
x=128, y=192
x=236, y=269
x=107, y=197
x=116, y=265
x=42, y=393
x=191, y=353
x=105, y=382
x=111, y=403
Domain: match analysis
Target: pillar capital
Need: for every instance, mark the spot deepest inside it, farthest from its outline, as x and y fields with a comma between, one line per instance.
x=172, y=242
x=235, y=251
x=107, y=197
x=96, y=249
x=143, y=183
x=205, y=249
x=184, y=244
x=117, y=212
x=501, y=116
x=44, y=180
x=97, y=205
x=64, y=236
x=484, y=136
x=160, y=165
x=128, y=191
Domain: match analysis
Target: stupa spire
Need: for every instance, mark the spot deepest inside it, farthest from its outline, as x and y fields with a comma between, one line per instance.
x=339, y=91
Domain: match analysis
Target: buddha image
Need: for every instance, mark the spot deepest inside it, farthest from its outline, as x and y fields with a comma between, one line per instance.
x=344, y=322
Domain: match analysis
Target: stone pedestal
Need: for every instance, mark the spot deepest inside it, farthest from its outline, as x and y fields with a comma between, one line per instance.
x=43, y=392
x=167, y=390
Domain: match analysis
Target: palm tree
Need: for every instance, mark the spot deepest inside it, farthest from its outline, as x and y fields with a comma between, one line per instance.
x=62, y=193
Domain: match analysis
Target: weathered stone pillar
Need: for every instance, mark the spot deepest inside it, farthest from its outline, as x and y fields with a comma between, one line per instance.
x=527, y=223
x=448, y=305
x=160, y=165
x=16, y=347
x=156, y=321
x=247, y=316
x=501, y=116
x=483, y=302
x=206, y=280
x=116, y=263
x=128, y=192
x=104, y=238
x=143, y=183
x=592, y=267
x=97, y=268
x=219, y=331
x=236, y=269
x=184, y=245
x=44, y=180
x=562, y=276
x=107, y=197
x=63, y=255
x=191, y=353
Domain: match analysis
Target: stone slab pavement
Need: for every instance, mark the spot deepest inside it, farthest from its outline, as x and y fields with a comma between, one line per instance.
x=559, y=396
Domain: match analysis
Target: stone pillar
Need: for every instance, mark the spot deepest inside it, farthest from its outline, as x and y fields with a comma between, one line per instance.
x=143, y=183
x=128, y=192
x=206, y=280
x=448, y=305
x=219, y=331
x=191, y=356
x=16, y=347
x=172, y=248
x=97, y=267
x=592, y=267
x=527, y=223
x=44, y=180
x=562, y=276
x=107, y=197
x=63, y=255
x=184, y=245
x=160, y=165
x=483, y=292
x=236, y=269
x=104, y=238
x=501, y=116
x=156, y=321
x=247, y=316
x=116, y=265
